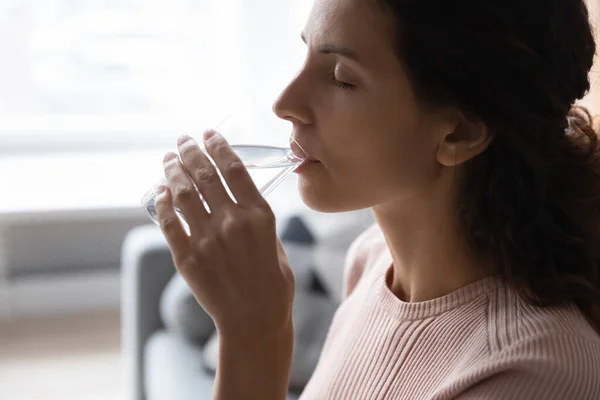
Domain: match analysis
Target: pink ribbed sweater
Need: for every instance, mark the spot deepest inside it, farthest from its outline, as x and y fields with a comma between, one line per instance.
x=480, y=342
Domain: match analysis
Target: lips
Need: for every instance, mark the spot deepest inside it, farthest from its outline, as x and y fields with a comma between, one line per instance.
x=299, y=151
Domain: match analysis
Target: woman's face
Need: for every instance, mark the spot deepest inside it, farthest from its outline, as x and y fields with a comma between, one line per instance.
x=353, y=109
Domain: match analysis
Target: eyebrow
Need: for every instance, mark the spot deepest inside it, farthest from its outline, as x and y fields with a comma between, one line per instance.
x=335, y=49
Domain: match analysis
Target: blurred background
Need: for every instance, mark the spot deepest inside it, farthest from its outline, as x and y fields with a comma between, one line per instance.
x=92, y=94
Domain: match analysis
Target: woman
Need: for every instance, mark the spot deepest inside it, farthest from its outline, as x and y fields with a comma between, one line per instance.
x=454, y=121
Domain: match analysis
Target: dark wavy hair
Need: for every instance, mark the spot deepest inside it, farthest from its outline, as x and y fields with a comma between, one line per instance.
x=530, y=203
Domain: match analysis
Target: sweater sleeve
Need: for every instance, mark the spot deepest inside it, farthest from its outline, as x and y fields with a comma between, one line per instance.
x=560, y=367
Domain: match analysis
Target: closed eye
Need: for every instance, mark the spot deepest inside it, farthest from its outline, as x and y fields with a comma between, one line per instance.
x=340, y=84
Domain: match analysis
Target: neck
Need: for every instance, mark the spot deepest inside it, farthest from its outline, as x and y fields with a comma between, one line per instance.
x=431, y=255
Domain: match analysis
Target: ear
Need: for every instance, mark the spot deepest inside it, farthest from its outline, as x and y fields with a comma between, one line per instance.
x=467, y=140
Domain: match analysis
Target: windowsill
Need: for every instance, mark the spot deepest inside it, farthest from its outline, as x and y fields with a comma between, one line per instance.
x=92, y=184
x=83, y=181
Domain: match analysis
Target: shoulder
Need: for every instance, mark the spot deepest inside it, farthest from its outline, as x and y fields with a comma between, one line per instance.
x=555, y=334
x=362, y=255
x=513, y=320
x=544, y=366
x=557, y=352
x=558, y=340
x=535, y=353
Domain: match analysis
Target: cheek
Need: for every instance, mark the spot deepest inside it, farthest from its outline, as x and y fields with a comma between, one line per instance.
x=383, y=140
x=373, y=149
x=364, y=173
x=386, y=162
x=399, y=163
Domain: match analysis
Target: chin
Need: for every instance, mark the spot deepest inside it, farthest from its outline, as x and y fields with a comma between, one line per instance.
x=327, y=199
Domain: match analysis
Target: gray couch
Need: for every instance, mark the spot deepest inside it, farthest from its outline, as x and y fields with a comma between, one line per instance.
x=165, y=363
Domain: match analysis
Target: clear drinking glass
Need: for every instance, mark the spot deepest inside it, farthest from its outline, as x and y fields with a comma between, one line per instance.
x=268, y=158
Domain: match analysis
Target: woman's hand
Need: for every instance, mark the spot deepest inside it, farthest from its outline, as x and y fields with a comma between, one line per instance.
x=232, y=259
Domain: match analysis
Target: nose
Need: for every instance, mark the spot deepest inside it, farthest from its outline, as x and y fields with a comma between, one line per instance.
x=292, y=104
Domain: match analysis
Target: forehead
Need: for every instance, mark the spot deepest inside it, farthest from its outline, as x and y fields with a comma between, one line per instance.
x=360, y=25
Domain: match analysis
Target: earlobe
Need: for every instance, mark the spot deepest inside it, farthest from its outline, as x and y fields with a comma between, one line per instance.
x=468, y=141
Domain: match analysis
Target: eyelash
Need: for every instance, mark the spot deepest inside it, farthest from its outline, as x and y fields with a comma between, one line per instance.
x=340, y=84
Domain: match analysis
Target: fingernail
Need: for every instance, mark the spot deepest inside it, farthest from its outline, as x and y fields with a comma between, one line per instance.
x=169, y=156
x=182, y=139
x=186, y=144
x=209, y=134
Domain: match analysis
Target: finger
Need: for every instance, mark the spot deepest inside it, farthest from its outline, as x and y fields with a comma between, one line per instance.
x=184, y=194
x=203, y=174
x=170, y=224
x=233, y=170
x=284, y=263
x=281, y=251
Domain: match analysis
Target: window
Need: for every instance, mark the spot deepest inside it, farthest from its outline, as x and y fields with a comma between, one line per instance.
x=101, y=72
